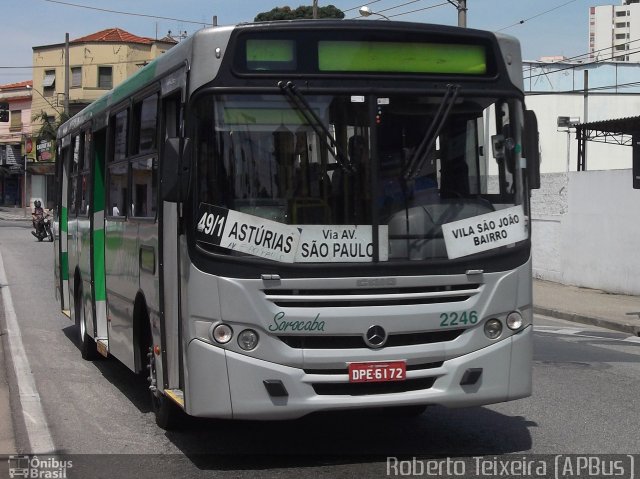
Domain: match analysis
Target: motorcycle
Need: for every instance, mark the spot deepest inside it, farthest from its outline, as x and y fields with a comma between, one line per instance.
x=43, y=230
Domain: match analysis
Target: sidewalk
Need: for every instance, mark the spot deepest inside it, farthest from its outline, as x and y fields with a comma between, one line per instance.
x=7, y=443
x=13, y=214
x=588, y=306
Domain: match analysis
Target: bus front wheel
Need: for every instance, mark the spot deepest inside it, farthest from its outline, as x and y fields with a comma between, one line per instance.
x=168, y=414
x=87, y=345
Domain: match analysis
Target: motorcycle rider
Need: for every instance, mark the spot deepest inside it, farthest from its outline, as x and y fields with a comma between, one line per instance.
x=37, y=218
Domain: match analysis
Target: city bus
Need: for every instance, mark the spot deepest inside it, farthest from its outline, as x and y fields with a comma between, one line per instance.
x=275, y=219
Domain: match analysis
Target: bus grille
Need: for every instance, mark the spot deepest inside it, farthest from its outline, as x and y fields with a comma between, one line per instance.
x=357, y=341
x=352, y=298
x=364, y=389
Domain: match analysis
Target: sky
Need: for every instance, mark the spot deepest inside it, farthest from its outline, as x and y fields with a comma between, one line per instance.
x=549, y=28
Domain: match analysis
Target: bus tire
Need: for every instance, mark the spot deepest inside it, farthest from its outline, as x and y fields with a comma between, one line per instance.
x=168, y=415
x=87, y=345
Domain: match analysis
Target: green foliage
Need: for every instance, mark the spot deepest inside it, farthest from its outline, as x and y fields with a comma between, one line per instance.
x=287, y=13
x=50, y=125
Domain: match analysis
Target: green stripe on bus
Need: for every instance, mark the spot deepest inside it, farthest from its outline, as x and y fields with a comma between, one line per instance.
x=64, y=265
x=98, y=184
x=64, y=218
x=98, y=265
x=141, y=78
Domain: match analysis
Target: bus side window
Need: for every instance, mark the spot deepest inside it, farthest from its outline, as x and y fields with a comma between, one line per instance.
x=118, y=169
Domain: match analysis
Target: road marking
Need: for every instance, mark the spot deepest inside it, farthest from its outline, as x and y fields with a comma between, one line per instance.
x=35, y=421
x=584, y=333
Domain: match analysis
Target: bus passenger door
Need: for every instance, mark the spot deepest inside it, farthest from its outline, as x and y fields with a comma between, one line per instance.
x=169, y=369
x=64, y=226
x=97, y=261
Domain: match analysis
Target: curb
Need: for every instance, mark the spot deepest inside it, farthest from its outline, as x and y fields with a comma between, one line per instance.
x=593, y=321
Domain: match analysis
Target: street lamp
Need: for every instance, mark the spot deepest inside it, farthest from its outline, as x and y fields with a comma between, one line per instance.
x=29, y=87
x=366, y=11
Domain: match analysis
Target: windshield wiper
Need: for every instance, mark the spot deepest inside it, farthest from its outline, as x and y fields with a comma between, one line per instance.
x=420, y=155
x=301, y=103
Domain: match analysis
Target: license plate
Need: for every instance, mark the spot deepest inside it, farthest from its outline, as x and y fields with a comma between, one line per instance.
x=377, y=372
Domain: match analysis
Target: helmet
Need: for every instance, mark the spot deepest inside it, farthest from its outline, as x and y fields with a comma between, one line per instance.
x=37, y=204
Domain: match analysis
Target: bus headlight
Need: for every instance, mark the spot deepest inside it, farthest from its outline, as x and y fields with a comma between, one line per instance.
x=514, y=320
x=493, y=329
x=248, y=339
x=222, y=333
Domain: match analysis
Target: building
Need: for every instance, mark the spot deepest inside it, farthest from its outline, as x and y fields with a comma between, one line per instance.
x=584, y=222
x=613, y=31
x=17, y=98
x=97, y=63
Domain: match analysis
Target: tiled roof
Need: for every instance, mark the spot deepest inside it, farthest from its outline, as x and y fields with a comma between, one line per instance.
x=114, y=35
x=11, y=86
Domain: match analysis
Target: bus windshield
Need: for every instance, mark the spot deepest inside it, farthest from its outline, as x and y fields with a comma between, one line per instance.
x=410, y=164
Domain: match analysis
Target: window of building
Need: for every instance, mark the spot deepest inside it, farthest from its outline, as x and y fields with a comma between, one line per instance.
x=49, y=83
x=16, y=120
x=76, y=77
x=105, y=77
x=620, y=36
x=621, y=25
x=622, y=13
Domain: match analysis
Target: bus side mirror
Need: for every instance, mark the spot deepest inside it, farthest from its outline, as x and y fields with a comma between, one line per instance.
x=531, y=149
x=636, y=161
x=175, y=173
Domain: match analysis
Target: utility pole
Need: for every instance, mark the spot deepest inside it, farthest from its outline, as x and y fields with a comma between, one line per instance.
x=66, y=74
x=461, y=5
x=315, y=9
x=462, y=13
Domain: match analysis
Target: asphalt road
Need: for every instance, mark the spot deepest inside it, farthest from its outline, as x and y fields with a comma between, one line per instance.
x=586, y=400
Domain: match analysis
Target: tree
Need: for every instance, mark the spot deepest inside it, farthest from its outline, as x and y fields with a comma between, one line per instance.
x=49, y=127
x=286, y=13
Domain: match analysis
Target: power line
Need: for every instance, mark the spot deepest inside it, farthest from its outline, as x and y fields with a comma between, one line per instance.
x=355, y=8
x=580, y=65
x=622, y=52
x=125, y=13
x=398, y=6
x=594, y=89
x=537, y=15
x=419, y=10
x=140, y=62
x=411, y=11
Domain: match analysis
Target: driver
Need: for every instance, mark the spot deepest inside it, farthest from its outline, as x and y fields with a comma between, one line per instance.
x=37, y=217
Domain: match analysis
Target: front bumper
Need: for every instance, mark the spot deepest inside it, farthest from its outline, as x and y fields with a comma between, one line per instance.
x=225, y=384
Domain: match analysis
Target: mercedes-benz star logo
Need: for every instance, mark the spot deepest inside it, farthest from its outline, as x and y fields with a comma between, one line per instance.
x=375, y=337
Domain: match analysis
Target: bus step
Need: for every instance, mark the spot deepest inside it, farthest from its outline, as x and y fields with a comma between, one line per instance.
x=103, y=347
x=67, y=313
x=176, y=395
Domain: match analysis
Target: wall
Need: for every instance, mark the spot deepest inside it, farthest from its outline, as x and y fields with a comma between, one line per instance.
x=553, y=140
x=586, y=230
